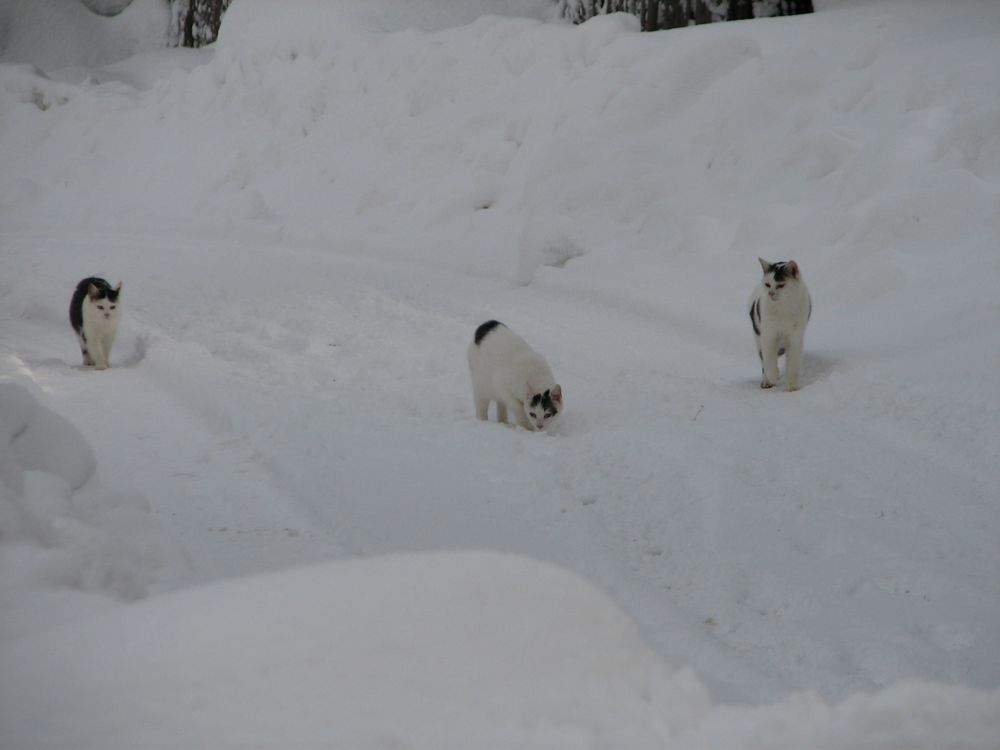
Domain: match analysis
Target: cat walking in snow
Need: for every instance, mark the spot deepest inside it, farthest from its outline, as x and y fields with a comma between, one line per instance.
x=779, y=311
x=506, y=370
x=94, y=312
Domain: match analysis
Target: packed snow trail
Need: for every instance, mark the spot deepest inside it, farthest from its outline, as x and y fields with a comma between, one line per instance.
x=281, y=405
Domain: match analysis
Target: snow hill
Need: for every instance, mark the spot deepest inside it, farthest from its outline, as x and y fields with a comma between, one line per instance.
x=276, y=520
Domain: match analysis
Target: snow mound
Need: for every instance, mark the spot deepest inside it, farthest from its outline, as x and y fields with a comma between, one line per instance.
x=65, y=34
x=419, y=651
x=436, y=650
x=59, y=529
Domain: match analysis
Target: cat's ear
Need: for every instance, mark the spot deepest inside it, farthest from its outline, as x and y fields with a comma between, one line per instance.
x=93, y=292
x=556, y=393
x=764, y=264
x=792, y=269
x=118, y=289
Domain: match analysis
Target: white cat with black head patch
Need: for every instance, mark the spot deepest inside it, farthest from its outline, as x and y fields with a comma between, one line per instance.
x=94, y=312
x=779, y=311
x=506, y=370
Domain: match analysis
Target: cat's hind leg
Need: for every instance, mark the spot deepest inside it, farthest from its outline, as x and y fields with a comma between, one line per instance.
x=479, y=398
x=88, y=361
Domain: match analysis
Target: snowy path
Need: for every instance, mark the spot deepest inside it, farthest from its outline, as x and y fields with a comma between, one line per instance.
x=312, y=404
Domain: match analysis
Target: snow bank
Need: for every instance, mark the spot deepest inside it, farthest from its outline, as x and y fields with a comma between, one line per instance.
x=59, y=529
x=421, y=651
x=907, y=716
x=65, y=35
x=432, y=651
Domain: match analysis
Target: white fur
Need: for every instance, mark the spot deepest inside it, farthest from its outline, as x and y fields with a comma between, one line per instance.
x=506, y=370
x=99, y=329
x=784, y=314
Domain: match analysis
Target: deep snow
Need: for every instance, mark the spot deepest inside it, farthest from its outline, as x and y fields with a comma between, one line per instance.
x=310, y=220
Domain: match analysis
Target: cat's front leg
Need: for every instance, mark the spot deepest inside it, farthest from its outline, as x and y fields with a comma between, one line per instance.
x=793, y=358
x=99, y=356
x=513, y=412
x=769, y=363
x=482, y=408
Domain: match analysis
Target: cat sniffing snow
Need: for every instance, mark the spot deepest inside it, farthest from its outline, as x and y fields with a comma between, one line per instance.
x=779, y=311
x=506, y=370
x=94, y=312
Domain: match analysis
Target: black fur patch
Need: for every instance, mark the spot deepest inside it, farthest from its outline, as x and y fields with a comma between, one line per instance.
x=780, y=270
x=755, y=316
x=485, y=328
x=544, y=400
x=104, y=291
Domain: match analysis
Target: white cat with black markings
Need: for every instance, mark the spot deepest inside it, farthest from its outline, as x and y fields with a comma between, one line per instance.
x=506, y=370
x=94, y=312
x=779, y=311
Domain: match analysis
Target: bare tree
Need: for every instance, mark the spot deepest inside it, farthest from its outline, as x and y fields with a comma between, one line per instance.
x=195, y=23
x=669, y=14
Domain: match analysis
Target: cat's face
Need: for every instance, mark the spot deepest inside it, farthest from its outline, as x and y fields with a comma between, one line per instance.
x=104, y=303
x=541, y=409
x=778, y=277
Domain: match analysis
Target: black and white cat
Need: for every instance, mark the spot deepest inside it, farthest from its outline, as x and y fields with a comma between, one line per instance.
x=779, y=311
x=506, y=370
x=94, y=312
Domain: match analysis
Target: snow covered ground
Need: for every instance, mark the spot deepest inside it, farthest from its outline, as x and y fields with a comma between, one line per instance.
x=276, y=520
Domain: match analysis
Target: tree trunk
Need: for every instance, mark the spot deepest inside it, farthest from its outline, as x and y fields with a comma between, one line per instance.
x=198, y=21
x=702, y=13
x=675, y=14
x=740, y=10
x=795, y=7
x=651, y=15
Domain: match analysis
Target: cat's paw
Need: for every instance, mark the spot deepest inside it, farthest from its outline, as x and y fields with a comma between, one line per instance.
x=792, y=386
x=765, y=384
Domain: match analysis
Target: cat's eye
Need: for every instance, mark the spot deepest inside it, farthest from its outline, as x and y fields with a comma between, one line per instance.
x=780, y=286
x=767, y=284
x=531, y=414
x=100, y=307
x=112, y=307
